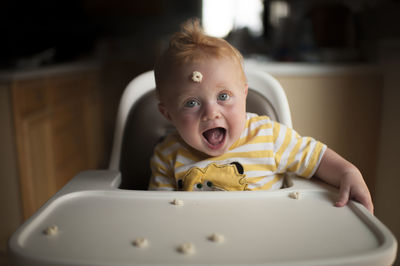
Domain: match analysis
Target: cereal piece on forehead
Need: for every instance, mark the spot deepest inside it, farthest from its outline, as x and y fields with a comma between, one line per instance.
x=197, y=76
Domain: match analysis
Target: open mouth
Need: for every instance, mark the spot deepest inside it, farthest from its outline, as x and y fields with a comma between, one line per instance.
x=215, y=136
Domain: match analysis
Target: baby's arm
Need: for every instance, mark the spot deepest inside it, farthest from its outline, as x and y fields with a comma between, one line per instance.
x=336, y=171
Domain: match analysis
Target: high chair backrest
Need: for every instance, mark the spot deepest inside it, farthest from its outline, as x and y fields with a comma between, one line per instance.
x=140, y=126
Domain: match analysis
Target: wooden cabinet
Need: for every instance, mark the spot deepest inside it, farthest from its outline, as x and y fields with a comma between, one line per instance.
x=59, y=130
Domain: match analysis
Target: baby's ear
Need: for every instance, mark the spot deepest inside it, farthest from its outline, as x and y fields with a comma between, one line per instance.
x=163, y=110
x=246, y=89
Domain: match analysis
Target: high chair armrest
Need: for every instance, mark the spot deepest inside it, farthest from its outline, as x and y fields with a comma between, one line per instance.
x=92, y=180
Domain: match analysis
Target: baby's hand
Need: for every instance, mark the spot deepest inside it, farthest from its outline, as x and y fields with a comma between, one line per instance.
x=338, y=172
x=352, y=186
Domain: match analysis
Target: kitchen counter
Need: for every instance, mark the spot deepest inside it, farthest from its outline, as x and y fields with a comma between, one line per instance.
x=310, y=69
x=24, y=73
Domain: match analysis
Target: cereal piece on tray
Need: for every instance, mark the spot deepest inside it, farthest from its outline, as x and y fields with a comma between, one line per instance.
x=294, y=195
x=141, y=242
x=186, y=248
x=217, y=238
x=51, y=230
x=177, y=202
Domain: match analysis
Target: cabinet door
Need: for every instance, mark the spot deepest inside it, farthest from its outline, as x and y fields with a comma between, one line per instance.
x=67, y=97
x=94, y=122
x=69, y=141
x=59, y=132
x=37, y=155
x=34, y=133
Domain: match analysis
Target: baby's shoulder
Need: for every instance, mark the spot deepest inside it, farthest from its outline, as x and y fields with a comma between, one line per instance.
x=255, y=119
x=168, y=140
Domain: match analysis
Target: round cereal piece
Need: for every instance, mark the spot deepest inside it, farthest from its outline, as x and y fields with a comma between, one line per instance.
x=177, y=202
x=141, y=242
x=186, y=248
x=197, y=76
x=217, y=238
x=51, y=230
x=294, y=195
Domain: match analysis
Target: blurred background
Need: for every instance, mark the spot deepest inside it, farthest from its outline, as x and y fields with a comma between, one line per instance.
x=43, y=32
x=64, y=66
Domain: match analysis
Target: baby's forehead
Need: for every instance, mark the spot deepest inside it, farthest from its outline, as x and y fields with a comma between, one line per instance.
x=205, y=74
x=199, y=73
x=207, y=68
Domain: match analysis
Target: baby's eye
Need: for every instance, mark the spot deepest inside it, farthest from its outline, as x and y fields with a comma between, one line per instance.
x=223, y=96
x=191, y=103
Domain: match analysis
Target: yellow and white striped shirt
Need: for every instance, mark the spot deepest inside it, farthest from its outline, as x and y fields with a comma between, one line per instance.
x=266, y=150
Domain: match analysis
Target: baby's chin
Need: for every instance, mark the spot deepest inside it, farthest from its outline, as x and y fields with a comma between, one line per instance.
x=207, y=150
x=214, y=153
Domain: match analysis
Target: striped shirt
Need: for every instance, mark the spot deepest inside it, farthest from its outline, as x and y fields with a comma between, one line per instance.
x=266, y=150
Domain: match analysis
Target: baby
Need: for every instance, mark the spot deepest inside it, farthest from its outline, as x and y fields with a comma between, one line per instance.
x=202, y=90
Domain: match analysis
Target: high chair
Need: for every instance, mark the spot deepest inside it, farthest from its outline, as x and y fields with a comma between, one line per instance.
x=98, y=216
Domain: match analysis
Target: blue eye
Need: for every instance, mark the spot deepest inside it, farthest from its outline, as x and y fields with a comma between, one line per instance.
x=191, y=103
x=223, y=97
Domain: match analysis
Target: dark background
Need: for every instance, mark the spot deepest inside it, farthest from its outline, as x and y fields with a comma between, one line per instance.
x=43, y=32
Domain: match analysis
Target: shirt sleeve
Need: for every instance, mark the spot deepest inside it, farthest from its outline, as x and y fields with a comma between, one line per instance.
x=296, y=154
x=162, y=177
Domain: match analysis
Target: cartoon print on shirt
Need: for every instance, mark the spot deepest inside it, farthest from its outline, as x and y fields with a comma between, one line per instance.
x=214, y=177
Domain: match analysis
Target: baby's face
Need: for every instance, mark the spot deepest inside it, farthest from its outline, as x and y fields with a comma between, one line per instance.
x=209, y=115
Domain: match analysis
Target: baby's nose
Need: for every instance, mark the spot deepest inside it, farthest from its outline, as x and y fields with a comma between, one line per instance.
x=210, y=112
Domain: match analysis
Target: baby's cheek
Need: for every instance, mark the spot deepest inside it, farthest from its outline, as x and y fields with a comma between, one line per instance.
x=181, y=121
x=188, y=130
x=236, y=110
x=188, y=118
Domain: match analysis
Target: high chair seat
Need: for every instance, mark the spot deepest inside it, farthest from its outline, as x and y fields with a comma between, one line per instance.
x=97, y=217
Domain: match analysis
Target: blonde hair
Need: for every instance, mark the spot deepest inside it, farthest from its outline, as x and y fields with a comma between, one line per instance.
x=190, y=45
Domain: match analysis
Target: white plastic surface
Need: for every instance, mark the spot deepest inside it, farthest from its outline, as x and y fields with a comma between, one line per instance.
x=132, y=93
x=97, y=227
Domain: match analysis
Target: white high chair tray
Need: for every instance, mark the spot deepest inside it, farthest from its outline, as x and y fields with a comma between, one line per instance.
x=260, y=228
